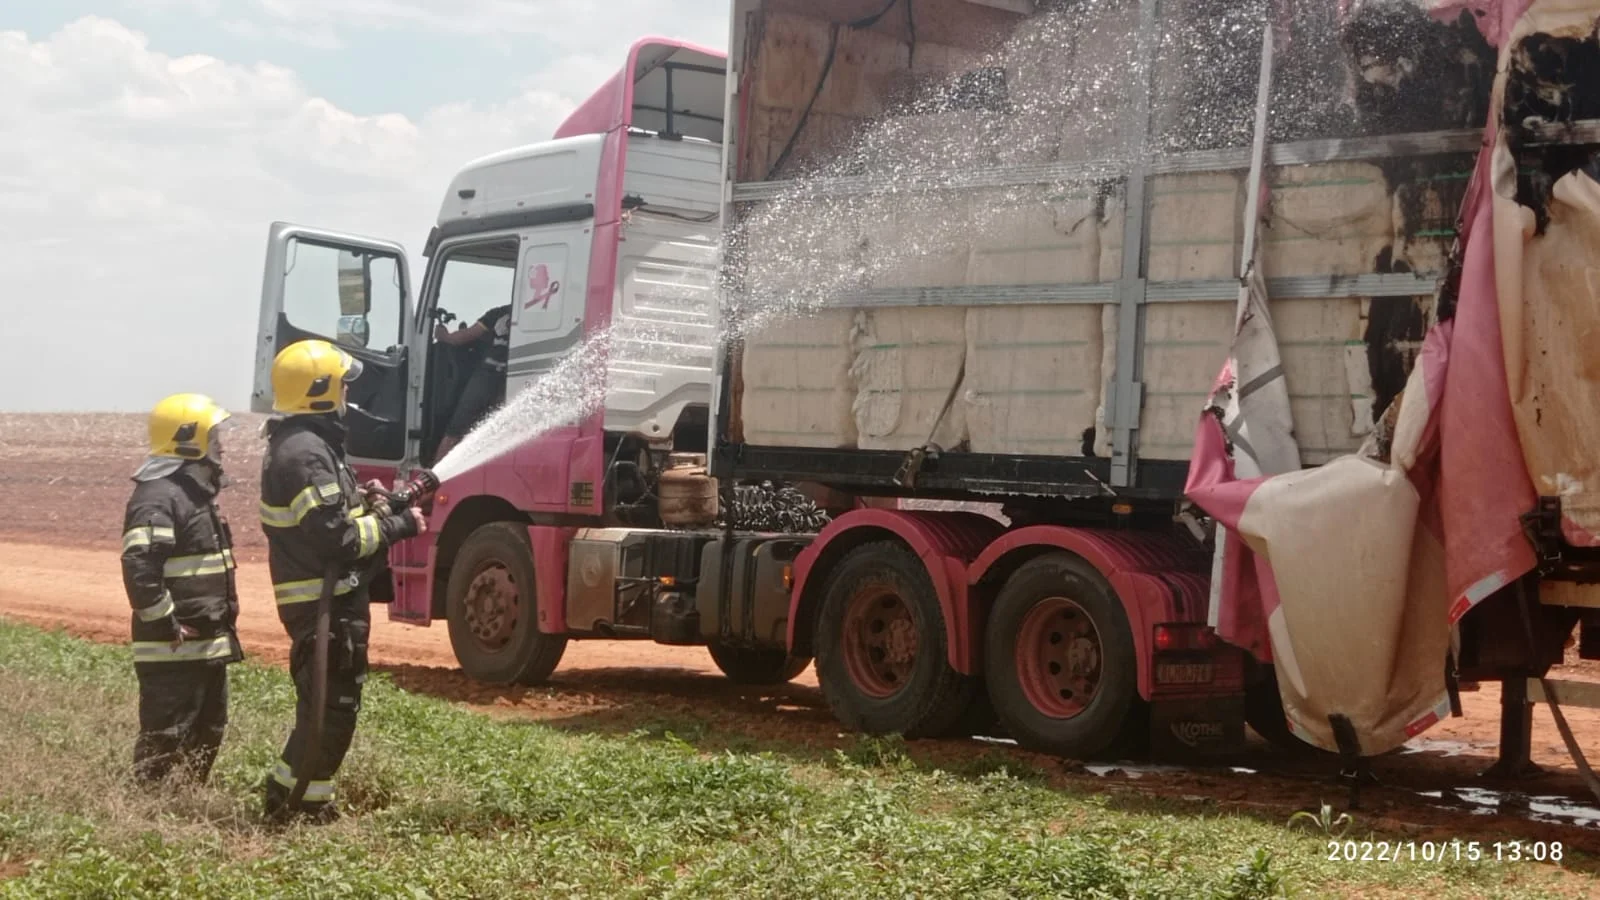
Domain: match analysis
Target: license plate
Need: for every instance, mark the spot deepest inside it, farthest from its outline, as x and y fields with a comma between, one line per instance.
x=1183, y=673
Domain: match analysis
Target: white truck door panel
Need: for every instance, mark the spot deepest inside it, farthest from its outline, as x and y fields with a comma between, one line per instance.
x=548, y=309
x=355, y=292
x=663, y=342
x=664, y=299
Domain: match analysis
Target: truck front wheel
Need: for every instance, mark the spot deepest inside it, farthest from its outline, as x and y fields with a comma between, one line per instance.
x=881, y=647
x=1059, y=659
x=756, y=666
x=491, y=607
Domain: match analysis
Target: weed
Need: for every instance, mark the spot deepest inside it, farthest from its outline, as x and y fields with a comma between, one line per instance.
x=875, y=751
x=1324, y=820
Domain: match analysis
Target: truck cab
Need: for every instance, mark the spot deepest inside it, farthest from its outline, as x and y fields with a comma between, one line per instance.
x=612, y=222
x=595, y=253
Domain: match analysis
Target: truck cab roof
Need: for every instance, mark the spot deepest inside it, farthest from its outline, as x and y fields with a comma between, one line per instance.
x=667, y=87
x=550, y=174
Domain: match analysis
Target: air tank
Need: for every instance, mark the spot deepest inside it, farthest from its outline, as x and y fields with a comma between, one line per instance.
x=688, y=496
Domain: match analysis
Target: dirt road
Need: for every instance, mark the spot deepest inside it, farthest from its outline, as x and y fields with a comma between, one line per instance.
x=81, y=590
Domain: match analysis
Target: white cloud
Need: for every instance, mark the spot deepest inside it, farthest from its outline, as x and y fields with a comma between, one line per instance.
x=316, y=37
x=568, y=24
x=136, y=188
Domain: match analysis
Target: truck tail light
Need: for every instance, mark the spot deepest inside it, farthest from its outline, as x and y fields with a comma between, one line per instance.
x=1184, y=636
x=1189, y=657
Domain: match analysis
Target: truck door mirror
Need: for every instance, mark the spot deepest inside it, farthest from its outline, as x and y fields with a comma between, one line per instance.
x=353, y=331
x=355, y=283
x=354, y=274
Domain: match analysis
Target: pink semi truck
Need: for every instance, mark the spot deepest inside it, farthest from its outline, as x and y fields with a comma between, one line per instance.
x=1104, y=183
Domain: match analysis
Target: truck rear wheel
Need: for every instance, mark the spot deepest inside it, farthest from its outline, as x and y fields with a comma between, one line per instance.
x=491, y=607
x=756, y=666
x=1059, y=659
x=882, y=655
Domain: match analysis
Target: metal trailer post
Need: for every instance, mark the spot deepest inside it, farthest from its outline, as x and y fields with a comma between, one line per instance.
x=729, y=285
x=1516, y=732
x=1516, y=707
x=1126, y=399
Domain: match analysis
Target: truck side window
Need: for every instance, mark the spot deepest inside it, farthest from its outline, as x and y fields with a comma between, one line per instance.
x=476, y=280
x=350, y=298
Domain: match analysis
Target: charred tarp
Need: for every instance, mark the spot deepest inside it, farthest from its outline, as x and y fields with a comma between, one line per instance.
x=1407, y=72
x=1553, y=81
x=1382, y=67
x=1410, y=72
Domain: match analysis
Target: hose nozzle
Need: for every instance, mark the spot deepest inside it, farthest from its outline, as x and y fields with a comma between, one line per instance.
x=418, y=488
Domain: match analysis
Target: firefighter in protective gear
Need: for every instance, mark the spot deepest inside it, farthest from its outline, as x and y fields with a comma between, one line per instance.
x=317, y=523
x=178, y=569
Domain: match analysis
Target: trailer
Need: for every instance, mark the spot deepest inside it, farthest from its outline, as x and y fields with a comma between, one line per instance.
x=884, y=262
x=1282, y=192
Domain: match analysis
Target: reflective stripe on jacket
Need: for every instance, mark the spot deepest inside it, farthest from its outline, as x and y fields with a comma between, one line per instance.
x=177, y=561
x=313, y=514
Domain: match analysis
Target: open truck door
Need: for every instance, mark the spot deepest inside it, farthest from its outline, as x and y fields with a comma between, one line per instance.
x=356, y=293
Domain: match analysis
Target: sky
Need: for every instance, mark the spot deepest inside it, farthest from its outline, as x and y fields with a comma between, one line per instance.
x=147, y=145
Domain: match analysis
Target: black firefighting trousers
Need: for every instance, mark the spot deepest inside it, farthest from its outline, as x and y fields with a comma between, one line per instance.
x=351, y=623
x=183, y=712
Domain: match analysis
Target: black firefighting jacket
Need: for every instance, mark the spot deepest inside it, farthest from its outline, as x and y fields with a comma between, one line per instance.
x=178, y=568
x=314, y=516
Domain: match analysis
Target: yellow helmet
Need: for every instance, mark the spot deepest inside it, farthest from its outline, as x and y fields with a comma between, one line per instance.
x=184, y=426
x=307, y=378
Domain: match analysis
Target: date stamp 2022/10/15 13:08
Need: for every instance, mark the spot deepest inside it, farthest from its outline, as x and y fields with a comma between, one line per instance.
x=1510, y=851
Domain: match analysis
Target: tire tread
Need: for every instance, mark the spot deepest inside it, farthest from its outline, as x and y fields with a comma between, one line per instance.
x=540, y=652
x=943, y=702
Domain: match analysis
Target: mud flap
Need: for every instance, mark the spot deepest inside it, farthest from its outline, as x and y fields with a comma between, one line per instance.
x=1197, y=728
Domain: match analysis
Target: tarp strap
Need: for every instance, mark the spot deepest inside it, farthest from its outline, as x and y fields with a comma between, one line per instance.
x=1354, y=768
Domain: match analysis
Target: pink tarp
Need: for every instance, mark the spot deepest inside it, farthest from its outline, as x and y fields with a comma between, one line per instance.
x=1348, y=577
x=1494, y=17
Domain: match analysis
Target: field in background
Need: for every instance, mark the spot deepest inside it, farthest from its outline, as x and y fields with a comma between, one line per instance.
x=69, y=475
x=451, y=804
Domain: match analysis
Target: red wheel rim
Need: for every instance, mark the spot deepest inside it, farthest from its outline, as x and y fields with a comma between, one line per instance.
x=491, y=606
x=880, y=642
x=1058, y=657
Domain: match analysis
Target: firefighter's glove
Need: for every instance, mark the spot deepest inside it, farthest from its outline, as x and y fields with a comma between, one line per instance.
x=180, y=631
x=377, y=503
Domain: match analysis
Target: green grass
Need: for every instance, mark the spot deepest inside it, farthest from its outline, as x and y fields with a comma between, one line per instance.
x=444, y=802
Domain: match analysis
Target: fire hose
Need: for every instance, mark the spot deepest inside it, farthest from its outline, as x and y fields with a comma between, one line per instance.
x=312, y=755
x=421, y=486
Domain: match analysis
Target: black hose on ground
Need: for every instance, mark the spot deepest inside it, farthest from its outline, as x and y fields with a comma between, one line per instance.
x=311, y=755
